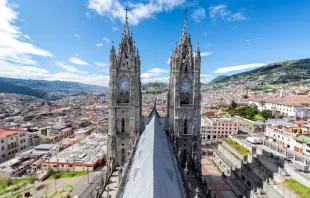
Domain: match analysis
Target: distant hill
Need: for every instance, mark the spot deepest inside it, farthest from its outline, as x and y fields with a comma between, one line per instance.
x=218, y=79
x=154, y=88
x=46, y=89
x=274, y=73
x=6, y=87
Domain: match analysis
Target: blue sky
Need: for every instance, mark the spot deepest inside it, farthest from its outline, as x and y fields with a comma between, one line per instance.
x=71, y=40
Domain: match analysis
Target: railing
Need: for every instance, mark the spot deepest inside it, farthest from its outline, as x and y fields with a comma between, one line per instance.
x=181, y=178
x=123, y=181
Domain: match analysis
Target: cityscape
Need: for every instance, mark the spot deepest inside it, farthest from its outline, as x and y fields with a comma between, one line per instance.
x=115, y=119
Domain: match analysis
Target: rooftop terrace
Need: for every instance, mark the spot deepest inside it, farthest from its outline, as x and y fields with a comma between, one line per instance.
x=86, y=151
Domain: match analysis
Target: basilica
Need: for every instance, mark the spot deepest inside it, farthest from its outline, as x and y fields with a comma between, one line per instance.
x=156, y=156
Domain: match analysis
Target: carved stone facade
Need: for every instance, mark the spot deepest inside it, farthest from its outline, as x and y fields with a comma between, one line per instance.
x=184, y=98
x=124, y=99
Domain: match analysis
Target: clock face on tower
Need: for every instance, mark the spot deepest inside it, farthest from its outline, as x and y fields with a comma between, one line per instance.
x=124, y=85
x=185, y=86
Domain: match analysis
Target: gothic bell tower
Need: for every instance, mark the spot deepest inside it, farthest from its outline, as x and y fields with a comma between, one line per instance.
x=184, y=100
x=124, y=99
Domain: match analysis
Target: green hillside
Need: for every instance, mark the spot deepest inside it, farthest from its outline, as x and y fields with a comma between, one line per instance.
x=279, y=72
x=220, y=78
x=154, y=88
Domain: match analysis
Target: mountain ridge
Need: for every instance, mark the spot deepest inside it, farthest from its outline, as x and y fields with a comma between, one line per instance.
x=46, y=89
x=277, y=72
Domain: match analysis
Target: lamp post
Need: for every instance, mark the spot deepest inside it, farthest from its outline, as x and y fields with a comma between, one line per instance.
x=55, y=182
x=87, y=176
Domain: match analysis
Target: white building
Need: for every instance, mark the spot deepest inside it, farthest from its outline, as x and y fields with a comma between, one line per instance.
x=12, y=141
x=291, y=106
x=286, y=135
x=213, y=128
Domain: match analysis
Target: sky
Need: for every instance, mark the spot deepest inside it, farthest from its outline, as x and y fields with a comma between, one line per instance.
x=71, y=39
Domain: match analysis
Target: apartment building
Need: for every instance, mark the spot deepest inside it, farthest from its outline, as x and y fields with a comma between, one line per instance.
x=287, y=135
x=12, y=141
x=215, y=127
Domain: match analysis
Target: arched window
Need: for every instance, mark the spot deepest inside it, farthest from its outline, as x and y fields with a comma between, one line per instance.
x=126, y=97
x=185, y=68
x=123, y=125
x=185, y=126
x=122, y=97
x=123, y=156
x=208, y=137
x=187, y=98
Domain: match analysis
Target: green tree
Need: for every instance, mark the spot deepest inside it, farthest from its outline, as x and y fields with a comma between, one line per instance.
x=32, y=179
x=266, y=114
x=50, y=171
x=245, y=96
x=233, y=104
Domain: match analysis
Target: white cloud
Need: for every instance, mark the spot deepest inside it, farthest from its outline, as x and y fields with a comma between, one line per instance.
x=69, y=68
x=12, y=46
x=76, y=35
x=158, y=70
x=235, y=27
x=205, y=53
x=160, y=79
x=199, y=14
x=29, y=72
x=222, y=12
x=114, y=29
x=113, y=9
x=238, y=67
x=99, y=44
x=254, y=39
x=77, y=61
x=208, y=45
x=205, y=33
x=205, y=78
x=106, y=40
x=153, y=72
x=104, y=70
x=168, y=61
x=87, y=14
x=101, y=64
x=27, y=37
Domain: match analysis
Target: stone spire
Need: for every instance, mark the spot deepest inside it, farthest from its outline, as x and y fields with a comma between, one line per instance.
x=197, y=51
x=112, y=51
x=185, y=32
x=126, y=29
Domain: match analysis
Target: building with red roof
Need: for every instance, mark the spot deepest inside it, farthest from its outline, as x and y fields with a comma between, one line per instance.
x=12, y=141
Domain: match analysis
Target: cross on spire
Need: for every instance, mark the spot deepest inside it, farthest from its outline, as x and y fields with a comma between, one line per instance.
x=126, y=9
x=185, y=10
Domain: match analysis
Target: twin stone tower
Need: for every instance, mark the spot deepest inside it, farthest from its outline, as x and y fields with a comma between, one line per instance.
x=125, y=100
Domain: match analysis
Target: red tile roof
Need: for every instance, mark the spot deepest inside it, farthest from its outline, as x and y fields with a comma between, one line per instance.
x=300, y=122
x=287, y=100
x=4, y=132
